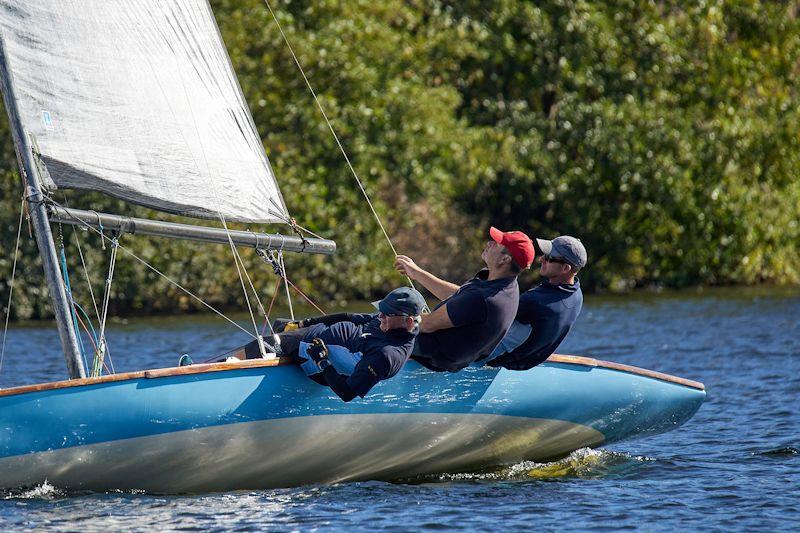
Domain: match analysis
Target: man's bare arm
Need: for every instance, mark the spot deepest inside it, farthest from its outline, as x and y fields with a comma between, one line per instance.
x=440, y=288
x=438, y=319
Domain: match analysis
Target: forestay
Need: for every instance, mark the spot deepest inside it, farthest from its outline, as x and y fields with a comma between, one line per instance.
x=138, y=99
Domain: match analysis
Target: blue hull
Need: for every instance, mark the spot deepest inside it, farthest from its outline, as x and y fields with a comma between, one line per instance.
x=261, y=427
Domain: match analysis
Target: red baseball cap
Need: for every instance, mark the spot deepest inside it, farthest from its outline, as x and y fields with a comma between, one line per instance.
x=518, y=245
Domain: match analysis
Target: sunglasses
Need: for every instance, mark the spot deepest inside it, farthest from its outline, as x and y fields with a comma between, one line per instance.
x=384, y=315
x=552, y=259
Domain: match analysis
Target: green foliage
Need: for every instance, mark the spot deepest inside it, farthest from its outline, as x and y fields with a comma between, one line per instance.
x=662, y=134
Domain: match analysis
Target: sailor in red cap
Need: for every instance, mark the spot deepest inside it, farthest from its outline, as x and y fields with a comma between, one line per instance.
x=547, y=311
x=471, y=319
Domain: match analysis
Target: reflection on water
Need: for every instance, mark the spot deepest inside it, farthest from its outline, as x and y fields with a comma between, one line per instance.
x=734, y=466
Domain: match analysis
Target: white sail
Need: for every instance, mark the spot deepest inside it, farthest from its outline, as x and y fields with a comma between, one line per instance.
x=138, y=99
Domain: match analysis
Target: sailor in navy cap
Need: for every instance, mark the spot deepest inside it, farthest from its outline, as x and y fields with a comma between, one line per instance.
x=351, y=352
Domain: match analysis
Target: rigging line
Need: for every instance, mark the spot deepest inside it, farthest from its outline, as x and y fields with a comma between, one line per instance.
x=88, y=333
x=309, y=300
x=151, y=267
x=85, y=270
x=100, y=349
x=290, y=221
x=336, y=137
x=184, y=289
x=208, y=173
x=275, y=292
x=238, y=260
x=70, y=296
x=101, y=340
x=252, y=287
x=106, y=351
x=286, y=279
x=11, y=285
x=330, y=126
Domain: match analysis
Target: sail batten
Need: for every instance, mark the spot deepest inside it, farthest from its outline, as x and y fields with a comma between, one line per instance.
x=138, y=100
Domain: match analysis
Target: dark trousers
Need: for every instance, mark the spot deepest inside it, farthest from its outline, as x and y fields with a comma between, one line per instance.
x=289, y=345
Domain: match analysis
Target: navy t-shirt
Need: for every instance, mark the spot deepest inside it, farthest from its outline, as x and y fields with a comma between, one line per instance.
x=549, y=311
x=383, y=354
x=481, y=311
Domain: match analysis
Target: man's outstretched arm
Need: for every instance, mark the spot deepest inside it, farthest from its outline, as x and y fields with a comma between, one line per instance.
x=440, y=288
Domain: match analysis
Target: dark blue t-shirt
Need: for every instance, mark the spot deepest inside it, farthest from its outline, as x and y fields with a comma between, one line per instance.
x=548, y=311
x=383, y=354
x=481, y=311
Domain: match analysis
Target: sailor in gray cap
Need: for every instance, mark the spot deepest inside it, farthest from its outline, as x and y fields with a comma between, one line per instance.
x=546, y=312
x=565, y=250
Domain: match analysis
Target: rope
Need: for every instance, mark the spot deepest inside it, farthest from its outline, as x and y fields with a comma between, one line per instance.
x=100, y=343
x=154, y=269
x=100, y=348
x=289, y=220
x=90, y=331
x=301, y=293
x=86, y=270
x=335, y=136
x=275, y=260
x=11, y=285
x=94, y=344
x=68, y=290
x=330, y=126
x=286, y=279
x=266, y=315
x=237, y=261
x=222, y=219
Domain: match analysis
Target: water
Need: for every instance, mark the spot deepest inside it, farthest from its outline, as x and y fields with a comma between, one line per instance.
x=734, y=466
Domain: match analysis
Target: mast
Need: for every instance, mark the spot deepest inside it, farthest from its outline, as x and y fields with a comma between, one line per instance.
x=41, y=226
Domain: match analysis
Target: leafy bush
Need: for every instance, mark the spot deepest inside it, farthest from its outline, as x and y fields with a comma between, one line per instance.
x=664, y=135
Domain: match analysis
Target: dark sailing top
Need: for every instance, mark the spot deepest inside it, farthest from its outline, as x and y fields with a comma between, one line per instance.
x=545, y=316
x=481, y=312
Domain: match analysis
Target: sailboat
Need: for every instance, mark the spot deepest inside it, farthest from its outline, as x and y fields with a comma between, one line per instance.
x=139, y=101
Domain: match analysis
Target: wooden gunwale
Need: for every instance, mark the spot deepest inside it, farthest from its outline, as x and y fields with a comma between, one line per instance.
x=589, y=361
x=259, y=363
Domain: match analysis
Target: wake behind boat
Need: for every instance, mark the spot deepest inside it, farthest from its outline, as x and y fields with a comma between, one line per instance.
x=141, y=103
x=262, y=424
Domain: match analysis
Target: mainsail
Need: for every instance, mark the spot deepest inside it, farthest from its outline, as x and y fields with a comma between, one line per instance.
x=138, y=99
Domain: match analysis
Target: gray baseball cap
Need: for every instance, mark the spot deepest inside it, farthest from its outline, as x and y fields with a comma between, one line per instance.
x=564, y=247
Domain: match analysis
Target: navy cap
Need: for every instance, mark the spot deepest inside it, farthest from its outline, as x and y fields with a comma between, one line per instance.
x=564, y=247
x=401, y=301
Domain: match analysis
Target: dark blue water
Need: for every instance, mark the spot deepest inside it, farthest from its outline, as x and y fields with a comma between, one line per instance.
x=734, y=466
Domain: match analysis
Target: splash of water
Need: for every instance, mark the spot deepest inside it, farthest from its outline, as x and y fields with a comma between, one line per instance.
x=45, y=491
x=583, y=463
